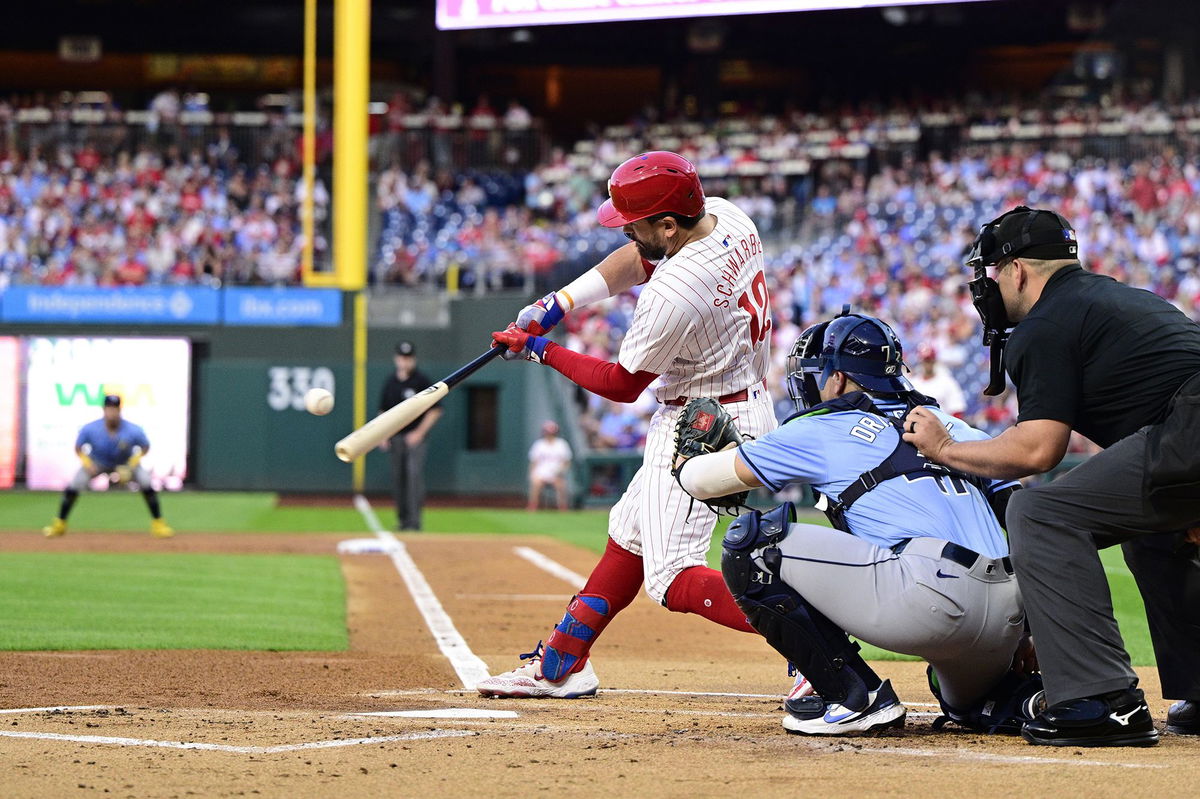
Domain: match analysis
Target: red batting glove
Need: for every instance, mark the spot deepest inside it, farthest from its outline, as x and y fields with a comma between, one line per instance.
x=520, y=344
x=512, y=337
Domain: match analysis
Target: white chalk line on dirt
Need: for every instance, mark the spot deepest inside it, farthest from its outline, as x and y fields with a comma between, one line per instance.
x=963, y=754
x=247, y=750
x=444, y=713
x=552, y=566
x=368, y=513
x=467, y=665
x=920, y=714
x=57, y=708
x=729, y=694
x=593, y=707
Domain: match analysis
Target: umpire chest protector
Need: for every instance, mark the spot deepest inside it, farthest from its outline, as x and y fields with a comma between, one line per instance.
x=903, y=461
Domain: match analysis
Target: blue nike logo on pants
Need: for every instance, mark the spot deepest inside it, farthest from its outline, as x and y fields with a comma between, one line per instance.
x=947, y=576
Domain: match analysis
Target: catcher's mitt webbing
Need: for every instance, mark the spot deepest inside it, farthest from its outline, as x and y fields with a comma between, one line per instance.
x=705, y=426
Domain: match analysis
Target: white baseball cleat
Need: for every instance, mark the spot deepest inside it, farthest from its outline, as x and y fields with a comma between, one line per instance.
x=821, y=718
x=527, y=682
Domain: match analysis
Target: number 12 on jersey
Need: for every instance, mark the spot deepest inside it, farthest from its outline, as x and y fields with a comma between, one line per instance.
x=757, y=303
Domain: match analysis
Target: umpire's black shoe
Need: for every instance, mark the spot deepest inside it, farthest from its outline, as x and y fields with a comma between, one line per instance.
x=1120, y=718
x=1184, y=717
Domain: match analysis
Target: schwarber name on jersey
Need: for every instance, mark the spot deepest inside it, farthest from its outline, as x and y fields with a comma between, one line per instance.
x=703, y=320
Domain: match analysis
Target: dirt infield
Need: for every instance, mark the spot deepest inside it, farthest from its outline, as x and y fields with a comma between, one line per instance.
x=686, y=708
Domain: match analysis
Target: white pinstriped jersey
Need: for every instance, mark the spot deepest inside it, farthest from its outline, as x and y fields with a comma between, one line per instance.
x=703, y=320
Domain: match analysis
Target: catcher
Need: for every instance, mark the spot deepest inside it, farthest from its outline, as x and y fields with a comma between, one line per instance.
x=916, y=562
x=114, y=446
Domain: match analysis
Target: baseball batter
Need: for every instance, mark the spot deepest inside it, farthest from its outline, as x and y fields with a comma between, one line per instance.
x=700, y=329
x=114, y=446
x=924, y=570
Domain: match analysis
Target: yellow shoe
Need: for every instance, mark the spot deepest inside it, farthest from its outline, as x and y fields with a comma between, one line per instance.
x=55, y=528
x=160, y=529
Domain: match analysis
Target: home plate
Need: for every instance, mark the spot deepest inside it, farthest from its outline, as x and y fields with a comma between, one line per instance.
x=363, y=546
x=445, y=713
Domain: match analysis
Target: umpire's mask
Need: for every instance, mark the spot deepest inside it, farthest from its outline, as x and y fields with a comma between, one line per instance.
x=1021, y=231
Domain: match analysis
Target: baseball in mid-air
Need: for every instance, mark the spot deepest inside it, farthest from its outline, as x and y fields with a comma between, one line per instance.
x=318, y=401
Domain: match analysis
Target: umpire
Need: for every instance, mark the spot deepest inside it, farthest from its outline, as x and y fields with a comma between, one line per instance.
x=1121, y=366
x=407, y=447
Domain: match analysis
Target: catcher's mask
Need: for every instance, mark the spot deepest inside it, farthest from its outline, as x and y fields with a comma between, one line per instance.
x=861, y=346
x=1022, y=231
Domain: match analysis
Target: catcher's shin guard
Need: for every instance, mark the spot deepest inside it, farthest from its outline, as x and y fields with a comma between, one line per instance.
x=797, y=630
x=570, y=641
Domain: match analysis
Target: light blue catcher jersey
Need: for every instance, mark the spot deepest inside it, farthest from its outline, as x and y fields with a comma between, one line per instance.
x=831, y=451
x=111, y=449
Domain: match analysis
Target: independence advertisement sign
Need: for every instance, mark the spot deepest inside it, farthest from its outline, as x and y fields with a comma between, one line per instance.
x=131, y=305
x=150, y=305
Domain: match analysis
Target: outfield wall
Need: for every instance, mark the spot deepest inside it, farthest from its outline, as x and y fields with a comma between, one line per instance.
x=248, y=429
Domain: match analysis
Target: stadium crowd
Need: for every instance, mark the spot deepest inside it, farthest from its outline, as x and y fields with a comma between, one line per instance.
x=871, y=208
x=74, y=216
x=892, y=244
x=94, y=195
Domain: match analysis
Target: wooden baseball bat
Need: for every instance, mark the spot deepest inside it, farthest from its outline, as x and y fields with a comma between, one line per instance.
x=391, y=421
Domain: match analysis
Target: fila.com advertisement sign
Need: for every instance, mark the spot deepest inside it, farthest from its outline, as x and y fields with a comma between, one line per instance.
x=66, y=380
x=457, y=14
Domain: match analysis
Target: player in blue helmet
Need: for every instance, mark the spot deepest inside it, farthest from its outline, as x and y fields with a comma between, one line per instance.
x=857, y=345
x=924, y=570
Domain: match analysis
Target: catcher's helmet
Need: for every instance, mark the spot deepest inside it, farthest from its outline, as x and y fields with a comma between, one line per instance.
x=861, y=346
x=651, y=183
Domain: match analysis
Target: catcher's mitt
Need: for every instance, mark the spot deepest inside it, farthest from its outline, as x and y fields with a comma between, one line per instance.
x=705, y=426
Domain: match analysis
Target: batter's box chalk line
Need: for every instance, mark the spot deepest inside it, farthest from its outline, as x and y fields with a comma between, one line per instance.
x=248, y=750
x=444, y=713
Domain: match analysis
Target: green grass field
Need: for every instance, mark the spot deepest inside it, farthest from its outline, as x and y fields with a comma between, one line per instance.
x=171, y=601
x=33, y=583
x=187, y=511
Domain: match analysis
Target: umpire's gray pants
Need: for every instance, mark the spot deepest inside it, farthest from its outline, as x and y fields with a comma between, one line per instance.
x=1055, y=530
x=408, y=481
x=965, y=622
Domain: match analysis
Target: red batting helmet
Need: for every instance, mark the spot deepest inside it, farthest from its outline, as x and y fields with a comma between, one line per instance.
x=649, y=184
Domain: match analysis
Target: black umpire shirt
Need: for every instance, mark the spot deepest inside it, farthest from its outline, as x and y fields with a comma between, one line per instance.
x=1100, y=356
x=396, y=391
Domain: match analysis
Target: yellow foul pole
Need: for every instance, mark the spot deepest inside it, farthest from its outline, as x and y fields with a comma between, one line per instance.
x=351, y=86
x=309, y=154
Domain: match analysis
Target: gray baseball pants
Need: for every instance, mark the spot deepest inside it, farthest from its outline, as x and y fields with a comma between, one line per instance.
x=965, y=621
x=1056, y=529
x=81, y=479
x=408, y=481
